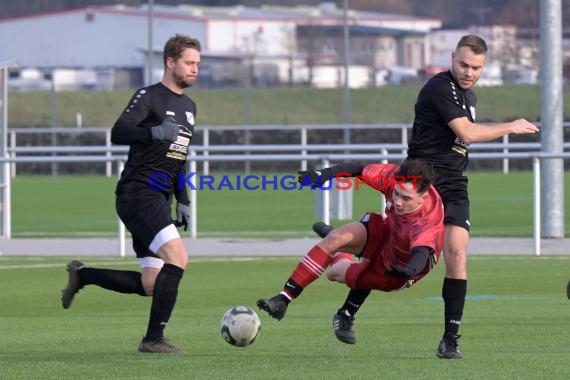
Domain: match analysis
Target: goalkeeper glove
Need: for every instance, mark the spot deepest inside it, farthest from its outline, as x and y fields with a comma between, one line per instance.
x=167, y=131
x=316, y=178
x=182, y=215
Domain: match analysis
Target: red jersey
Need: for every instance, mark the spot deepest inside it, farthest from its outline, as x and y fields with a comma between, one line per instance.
x=422, y=227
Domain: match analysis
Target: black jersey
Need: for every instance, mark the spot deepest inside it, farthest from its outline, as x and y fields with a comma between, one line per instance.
x=147, y=108
x=440, y=101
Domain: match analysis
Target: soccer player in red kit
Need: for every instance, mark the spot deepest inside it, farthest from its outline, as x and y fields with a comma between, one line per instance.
x=393, y=252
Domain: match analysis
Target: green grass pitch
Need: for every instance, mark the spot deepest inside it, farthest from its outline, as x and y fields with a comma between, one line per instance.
x=515, y=325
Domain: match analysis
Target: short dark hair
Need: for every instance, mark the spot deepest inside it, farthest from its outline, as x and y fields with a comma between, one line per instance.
x=176, y=45
x=473, y=42
x=417, y=170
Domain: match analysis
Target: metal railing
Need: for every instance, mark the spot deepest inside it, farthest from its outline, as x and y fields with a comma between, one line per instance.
x=208, y=153
x=325, y=160
x=207, y=147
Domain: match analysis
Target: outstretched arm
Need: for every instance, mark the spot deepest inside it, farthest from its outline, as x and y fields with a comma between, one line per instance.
x=472, y=132
x=317, y=177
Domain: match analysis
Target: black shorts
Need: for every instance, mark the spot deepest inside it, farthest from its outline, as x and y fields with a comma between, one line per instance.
x=452, y=187
x=144, y=214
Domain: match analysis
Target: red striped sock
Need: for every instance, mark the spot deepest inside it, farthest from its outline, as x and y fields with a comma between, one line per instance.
x=311, y=267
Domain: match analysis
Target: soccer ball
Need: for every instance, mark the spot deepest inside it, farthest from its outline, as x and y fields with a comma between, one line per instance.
x=240, y=326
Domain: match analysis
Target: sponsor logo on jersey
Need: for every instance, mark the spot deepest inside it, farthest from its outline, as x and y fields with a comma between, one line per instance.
x=473, y=112
x=179, y=149
x=178, y=152
x=460, y=146
x=190, y=117
x=181, y=140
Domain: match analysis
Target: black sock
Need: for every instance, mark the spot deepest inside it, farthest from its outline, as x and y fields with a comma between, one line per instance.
x=453, y=293
x=354, y=300
x=122, y=281
x=292, y=289
x=163, y=300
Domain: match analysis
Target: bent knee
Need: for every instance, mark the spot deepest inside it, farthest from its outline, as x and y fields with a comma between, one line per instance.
x=334, y=240
x=174, y=253
x=336, y=277
x=455, y=257
x=337, y=272
x=331, y=276
x=335, y=235
x=181, y=261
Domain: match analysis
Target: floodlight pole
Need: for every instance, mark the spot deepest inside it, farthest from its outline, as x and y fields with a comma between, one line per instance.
x=551, y=115
x=346, y=92
x=150, y=56
x=5, y=207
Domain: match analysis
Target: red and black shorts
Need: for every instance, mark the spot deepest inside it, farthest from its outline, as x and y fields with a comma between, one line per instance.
x=370, y=272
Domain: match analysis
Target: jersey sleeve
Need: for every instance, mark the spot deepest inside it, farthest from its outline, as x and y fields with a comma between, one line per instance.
x=379, y=176
x=446, y=99
x=127, y=129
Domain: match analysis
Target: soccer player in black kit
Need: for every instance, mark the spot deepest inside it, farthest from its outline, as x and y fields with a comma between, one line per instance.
x=444, y=127
x=158, y=124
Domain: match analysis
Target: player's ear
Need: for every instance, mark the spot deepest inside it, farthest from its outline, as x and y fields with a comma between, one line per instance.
x=170, y=61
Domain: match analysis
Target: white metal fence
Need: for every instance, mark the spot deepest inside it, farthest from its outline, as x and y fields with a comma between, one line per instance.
x=207, y=148
x=303, y=152
x=324, y=159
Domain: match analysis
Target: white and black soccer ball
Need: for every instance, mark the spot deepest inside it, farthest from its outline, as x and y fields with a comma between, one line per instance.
x=240, y=326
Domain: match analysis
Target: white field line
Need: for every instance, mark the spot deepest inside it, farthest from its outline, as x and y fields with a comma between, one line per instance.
x=134, y=262
x=296, y=233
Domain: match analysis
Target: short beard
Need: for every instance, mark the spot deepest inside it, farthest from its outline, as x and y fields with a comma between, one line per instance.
x=180, y=82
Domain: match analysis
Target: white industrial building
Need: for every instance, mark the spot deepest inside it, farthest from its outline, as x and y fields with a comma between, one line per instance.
x=110, y=44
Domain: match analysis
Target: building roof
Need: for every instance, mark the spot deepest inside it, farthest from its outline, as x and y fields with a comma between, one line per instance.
x=337, y=31
x=265, y=12
x=118, y=35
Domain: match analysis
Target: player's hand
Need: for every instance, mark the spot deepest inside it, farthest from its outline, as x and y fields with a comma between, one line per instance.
x=182, y=215
x=315, y=178
x=167, y=131
x=523, y=126
x=400, y=271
